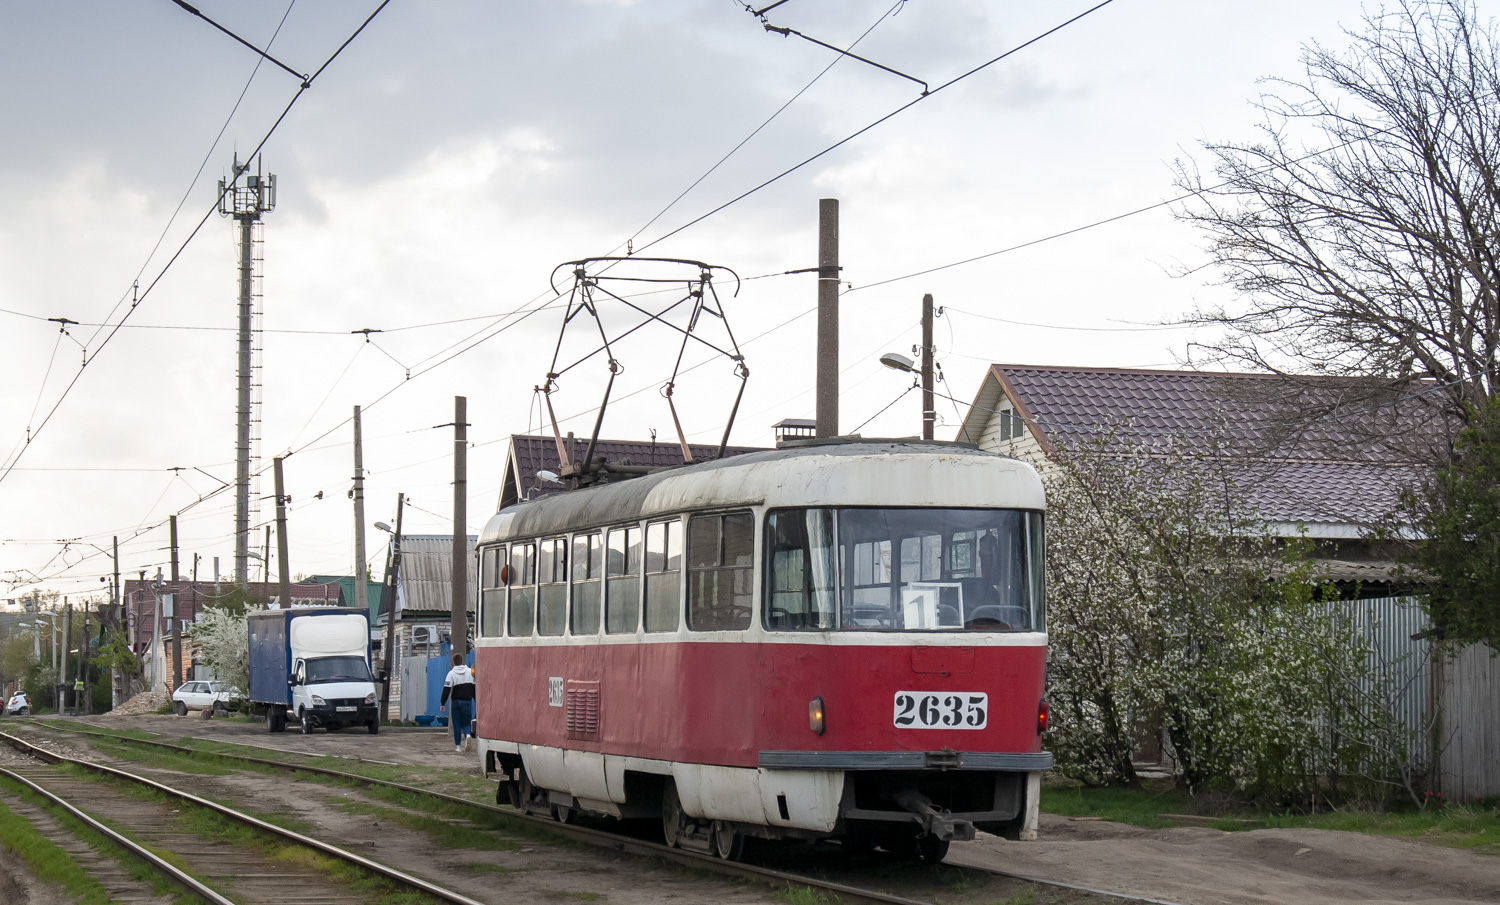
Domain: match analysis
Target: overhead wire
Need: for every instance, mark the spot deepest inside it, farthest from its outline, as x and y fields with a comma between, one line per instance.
x=757, y=130
x=899, y=110
x=193, y=183
x=135, y=304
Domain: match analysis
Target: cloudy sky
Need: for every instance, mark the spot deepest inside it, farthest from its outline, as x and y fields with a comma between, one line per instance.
x=437, y=171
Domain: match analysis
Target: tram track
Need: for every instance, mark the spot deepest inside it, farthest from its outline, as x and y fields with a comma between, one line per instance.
x=780, y=879
x=244, y=875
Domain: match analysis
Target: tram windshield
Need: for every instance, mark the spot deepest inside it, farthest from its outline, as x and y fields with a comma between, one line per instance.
x=907, y=570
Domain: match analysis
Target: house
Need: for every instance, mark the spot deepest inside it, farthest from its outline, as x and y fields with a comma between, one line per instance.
x=531, y=455
x=424, y=611
x=1320, y=457
x=147, y=605
x=1324, y=457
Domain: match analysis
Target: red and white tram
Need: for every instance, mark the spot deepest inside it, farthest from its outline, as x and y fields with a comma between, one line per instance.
x=842, y=639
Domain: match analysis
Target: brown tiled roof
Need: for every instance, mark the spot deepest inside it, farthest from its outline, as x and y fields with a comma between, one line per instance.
x=1310, y=448
x=531, y=454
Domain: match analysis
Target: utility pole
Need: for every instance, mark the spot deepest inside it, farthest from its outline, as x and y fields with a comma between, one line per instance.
x=117, y=598
x=265, y=569
x=388, y=606
x=245, y=204
x=156, y=671
x=929, y=413
x=62, y=674
x=458, y=630
x=361, y=586
x=284, y=568
x=174, y=612
x=828, y=318
x=84, y=684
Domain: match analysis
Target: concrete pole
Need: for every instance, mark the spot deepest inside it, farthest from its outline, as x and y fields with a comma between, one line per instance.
x=156, y=651
x=283, y=567
x=388, y=593
x=459, y=626
x=265, y=570
x=828, y=318
x=62, y=675
x=929, y=413
x=117, y=598
x=242, y=409
x=176, y=614
x=361, y=586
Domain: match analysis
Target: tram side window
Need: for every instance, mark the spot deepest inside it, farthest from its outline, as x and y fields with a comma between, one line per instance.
x=588, y=578
x=622, y=594
x=522, y=615
x=552, y=594
x=801, y=581
x=492, y=593
x=663, y=576
x=721, y=560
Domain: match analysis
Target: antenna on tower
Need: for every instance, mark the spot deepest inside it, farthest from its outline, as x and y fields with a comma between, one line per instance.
x=245, y=201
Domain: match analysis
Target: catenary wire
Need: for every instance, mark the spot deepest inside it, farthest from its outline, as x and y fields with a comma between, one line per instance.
x=201, y=167
x=901, y=109
x=135, y=305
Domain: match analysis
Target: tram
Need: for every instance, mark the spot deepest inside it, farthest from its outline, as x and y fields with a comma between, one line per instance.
x=833, y=639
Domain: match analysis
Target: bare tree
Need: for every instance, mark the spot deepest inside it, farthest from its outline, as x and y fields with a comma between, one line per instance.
x=1363, y=226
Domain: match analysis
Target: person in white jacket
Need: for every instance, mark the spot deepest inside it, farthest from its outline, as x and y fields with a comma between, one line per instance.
x=458, y=687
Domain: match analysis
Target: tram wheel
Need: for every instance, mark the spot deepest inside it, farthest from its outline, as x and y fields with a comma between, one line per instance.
x=673, y=820
x=729, y=843
x=564, y=814
x=931, y=849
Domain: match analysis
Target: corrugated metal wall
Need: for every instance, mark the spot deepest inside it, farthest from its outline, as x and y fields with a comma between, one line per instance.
x=1464, y=687
x=1398, y=664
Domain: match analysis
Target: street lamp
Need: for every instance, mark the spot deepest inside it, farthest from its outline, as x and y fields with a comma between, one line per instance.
x=898, y=362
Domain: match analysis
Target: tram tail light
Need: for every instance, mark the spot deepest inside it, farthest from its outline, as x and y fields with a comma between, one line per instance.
x=1043, y=717
x=815, y=715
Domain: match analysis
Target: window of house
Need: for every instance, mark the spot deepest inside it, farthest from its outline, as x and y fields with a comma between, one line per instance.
x=522, y=616
x=663, y=576
x=552, y=590
x=721, y=558
x=588, y=582
x=492, y=593
x=622, y=591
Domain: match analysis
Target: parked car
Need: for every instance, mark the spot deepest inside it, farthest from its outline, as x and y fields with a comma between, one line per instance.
x=204, y=696
x=18, y=705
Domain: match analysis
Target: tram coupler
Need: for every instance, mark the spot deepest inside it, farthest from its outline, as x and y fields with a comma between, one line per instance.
x=935, y=821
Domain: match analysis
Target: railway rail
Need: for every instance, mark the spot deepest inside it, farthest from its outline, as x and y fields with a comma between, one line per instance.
x=248, y=877
x=616, y=842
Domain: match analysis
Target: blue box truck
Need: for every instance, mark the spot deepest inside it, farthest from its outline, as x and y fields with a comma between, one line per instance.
x=311, y=665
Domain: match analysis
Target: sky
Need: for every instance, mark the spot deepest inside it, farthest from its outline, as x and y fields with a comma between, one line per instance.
x=440, y=168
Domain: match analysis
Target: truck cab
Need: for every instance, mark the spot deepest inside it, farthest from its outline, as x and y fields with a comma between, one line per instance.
x=333, y=692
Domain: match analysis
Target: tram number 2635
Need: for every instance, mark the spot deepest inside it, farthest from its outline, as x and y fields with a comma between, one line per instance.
x=942, y=709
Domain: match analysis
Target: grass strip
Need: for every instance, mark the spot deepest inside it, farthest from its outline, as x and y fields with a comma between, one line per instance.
x=1474, y=827
x=208, y=824
x=51, y=864
x=468, y=832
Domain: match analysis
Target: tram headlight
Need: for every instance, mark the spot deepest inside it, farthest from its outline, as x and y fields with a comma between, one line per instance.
x=815, y=720
x=1043, y=717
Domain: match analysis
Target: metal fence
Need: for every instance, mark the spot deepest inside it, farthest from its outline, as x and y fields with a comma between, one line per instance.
x=1441, y=696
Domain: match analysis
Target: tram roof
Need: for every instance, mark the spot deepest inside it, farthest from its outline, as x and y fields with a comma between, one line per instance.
x=837, y=473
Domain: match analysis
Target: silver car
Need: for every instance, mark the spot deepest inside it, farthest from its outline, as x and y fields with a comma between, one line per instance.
x=203, y=696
